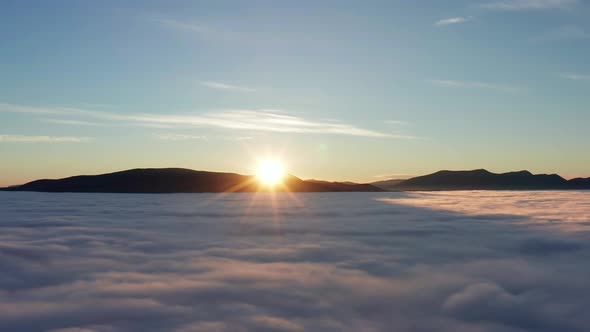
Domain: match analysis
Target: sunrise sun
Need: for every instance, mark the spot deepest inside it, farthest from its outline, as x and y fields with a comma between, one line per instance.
x=270, y=172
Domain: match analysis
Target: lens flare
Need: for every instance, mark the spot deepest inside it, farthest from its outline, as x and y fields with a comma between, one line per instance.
x=270, y=172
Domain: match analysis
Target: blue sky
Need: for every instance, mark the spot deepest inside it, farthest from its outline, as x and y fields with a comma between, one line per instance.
x=339, y=90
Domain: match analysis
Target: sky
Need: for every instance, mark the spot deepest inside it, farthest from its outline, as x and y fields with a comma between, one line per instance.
x=336, y=90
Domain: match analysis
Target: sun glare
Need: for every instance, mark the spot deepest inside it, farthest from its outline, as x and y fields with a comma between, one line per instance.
x=270, y=172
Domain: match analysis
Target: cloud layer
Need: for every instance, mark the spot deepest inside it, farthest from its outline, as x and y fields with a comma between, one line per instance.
x=302, y=262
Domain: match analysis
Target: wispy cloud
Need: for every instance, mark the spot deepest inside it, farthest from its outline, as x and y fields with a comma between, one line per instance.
x=60, y=111
x=184, y=137
x=179, y=137
x=224, y=86
x=477, y=85
x=574, y=76
x=202, y=30
x=30, y=109
x=241, y=119
x=42, y=139
x=72, y=122
x=396, y=122
x=452, y=20
x=529, y=4
x=259, y=120
x=97, y=105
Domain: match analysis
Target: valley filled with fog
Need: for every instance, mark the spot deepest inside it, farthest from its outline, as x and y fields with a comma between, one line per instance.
x=425, y=261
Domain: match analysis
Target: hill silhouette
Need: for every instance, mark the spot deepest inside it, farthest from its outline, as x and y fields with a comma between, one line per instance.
x=179, y=180
x=482, y=179
x=385, y=184
x=581, y=183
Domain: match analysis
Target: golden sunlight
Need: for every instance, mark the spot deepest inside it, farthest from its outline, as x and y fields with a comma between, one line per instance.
x=270, y=172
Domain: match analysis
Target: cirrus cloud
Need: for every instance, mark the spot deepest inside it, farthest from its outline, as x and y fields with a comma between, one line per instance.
x=225, y=86
x=264, y=120
x=452, y=20
x=477, y=85
x=41, y=139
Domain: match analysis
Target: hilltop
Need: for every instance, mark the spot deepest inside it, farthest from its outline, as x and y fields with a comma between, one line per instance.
x=179, y=180
x=481, y=179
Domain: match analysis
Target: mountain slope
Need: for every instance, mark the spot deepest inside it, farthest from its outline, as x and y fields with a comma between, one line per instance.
x=387, y=184
x=482, y=179
x=177, y=180
x=580, y=183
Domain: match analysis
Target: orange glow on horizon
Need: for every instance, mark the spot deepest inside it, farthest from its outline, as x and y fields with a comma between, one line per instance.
x=270, y=173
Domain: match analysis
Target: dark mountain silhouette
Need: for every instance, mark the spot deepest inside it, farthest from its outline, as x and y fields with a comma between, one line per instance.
x=482, y=179
x=348, y=183
x=388, y=184
x=178, y=180
x=580, y=183
x=318, y=185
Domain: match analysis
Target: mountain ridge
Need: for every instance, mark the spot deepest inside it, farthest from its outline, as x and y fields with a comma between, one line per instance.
x=182, y=180
x=178, y=180
x=482, y=179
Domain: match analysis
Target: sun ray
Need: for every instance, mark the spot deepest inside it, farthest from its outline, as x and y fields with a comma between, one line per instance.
x=270, y=173
x=270, y=180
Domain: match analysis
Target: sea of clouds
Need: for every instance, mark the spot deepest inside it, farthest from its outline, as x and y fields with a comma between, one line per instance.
x=456, y=261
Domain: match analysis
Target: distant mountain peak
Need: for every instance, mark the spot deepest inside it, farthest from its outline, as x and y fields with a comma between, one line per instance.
x=180, y=180
x=475, y=171
x=482, y=179
x=523, y=172
x=183, y=180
